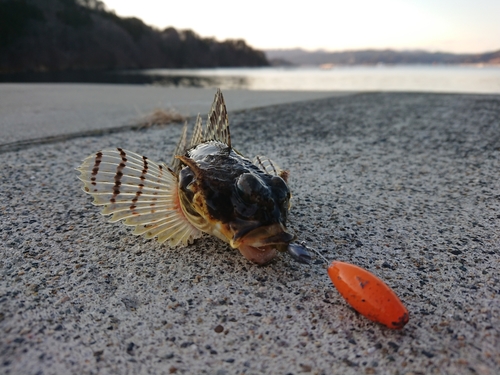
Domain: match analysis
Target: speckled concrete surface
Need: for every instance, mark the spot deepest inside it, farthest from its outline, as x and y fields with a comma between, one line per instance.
x=36, y=111
x=404, y=185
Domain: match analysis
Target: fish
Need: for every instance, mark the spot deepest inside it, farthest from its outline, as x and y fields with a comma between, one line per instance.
x=208, y=188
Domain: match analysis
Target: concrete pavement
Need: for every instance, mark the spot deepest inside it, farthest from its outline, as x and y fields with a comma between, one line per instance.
x=404, y=185
x=31, y=113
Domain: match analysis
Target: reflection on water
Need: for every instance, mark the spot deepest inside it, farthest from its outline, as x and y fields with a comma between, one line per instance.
x=358, y=78
x=112, y=77
x=195, y=81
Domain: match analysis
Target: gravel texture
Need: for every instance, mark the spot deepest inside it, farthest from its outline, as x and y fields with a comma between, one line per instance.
x=404, y=185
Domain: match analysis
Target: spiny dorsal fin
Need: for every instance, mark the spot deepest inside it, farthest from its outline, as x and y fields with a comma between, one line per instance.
x=270, y=167
x=140, y=192
x=197, y=136
x=267, y=165
x=180, y=149
x=218, y=123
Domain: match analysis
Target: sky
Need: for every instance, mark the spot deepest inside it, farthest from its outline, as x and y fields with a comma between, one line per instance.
x=460, y=26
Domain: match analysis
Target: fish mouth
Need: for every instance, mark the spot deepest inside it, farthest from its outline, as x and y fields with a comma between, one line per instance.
x=262, y=244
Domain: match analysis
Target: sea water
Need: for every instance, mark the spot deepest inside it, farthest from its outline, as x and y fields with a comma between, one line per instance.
x=423, y=78
x=459, y=79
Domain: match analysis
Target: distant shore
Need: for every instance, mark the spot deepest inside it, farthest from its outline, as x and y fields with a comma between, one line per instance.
x=372, y=57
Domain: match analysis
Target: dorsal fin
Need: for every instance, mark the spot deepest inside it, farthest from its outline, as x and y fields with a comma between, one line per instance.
x=270, y=167
x=267, y=165
x=218, y=123
x=180, y=149
x=197, y=136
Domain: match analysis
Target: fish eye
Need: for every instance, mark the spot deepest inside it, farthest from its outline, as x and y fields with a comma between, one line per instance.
x=250, y=187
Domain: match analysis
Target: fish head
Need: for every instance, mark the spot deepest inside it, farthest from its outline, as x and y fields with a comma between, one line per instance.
x=238, y=203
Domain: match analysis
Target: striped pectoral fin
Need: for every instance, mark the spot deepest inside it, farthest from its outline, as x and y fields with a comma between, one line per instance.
x=140, y=192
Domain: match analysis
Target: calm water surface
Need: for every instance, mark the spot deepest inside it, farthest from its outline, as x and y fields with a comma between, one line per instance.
x=462, y=79
x=459, y=79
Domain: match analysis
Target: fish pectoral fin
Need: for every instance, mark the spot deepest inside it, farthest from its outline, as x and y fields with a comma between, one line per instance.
x=138, y=191
x=218, y=123
x=270, y=167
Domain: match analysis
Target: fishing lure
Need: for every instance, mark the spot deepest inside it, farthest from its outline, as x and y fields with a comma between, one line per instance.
x=368, y=295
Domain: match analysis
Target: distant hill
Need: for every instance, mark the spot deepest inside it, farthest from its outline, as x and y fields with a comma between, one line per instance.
x=55, y=35
x=374, y=57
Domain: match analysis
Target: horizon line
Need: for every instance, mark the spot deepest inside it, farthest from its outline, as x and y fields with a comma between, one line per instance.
x=375, y=49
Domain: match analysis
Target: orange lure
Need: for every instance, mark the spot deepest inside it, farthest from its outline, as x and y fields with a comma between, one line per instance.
x=368, y=295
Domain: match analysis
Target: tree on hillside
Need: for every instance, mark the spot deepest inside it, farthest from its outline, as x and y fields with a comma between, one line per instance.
x=51, y=35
